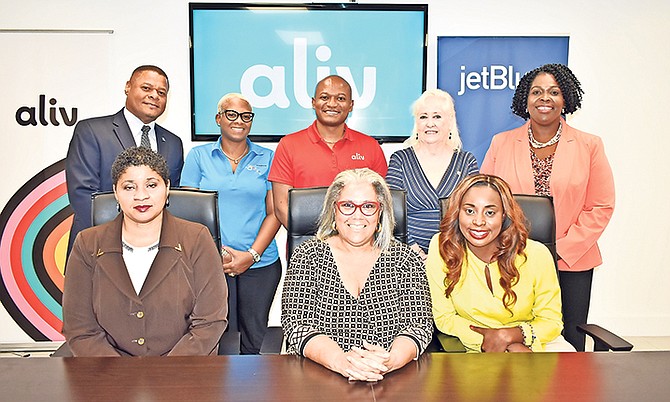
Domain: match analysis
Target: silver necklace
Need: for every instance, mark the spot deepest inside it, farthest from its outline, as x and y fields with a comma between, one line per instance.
x=537, y=144
x=130, y=248
x=239, y=158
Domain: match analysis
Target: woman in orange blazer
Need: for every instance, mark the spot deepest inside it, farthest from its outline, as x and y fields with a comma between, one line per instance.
x=546, y=156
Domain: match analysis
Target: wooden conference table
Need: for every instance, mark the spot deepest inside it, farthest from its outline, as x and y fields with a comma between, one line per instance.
x=637, y=376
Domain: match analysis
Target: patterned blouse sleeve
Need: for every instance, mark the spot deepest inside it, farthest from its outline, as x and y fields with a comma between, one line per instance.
x=415, y=299
x=298, y=302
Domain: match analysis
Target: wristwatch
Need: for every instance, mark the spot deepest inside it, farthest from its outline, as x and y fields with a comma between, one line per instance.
x=254, y=255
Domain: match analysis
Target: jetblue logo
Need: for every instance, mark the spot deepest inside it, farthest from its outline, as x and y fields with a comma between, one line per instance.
x=494, y=77
x=363, y=93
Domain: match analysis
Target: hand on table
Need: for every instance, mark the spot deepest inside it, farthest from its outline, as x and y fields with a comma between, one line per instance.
x=519, y=348
x=498, y=339
x=358, y=368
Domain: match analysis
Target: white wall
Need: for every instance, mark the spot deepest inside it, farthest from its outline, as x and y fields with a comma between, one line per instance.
x=618, y=49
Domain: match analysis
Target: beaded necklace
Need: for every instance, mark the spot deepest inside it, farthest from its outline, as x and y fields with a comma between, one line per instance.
x=536, y=144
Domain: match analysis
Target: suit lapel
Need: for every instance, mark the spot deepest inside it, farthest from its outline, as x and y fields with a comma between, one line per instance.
x=523, y=166
x=122, y=130
x=564, y=161
x=169, y=252
x=161, y=142
x=110, y=260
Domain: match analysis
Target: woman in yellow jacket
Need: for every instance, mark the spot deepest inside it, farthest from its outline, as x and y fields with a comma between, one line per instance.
x=491, y=286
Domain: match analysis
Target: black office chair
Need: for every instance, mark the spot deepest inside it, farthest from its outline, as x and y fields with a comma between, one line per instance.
x=304, y=208
x=541, y=222
x=194, y=205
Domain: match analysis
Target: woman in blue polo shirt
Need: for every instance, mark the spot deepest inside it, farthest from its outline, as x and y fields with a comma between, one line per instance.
x=238, y=169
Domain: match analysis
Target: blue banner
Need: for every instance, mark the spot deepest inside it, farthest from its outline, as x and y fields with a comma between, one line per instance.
x=481, y=73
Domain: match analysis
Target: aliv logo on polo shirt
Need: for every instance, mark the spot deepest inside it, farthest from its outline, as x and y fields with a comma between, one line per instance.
x=357, y=157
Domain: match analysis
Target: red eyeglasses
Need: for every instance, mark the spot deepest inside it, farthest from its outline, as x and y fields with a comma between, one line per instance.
x=368, y=208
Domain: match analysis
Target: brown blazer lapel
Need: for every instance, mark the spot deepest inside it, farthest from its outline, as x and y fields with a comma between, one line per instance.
x=169, y=252
x=165, y=261
x=110, y=259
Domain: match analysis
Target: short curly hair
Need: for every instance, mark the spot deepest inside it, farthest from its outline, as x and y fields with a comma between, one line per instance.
x=569, y=84
x=140, y=156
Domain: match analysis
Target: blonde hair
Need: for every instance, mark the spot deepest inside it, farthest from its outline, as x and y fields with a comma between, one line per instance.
x=447, y=106
x=225, y=100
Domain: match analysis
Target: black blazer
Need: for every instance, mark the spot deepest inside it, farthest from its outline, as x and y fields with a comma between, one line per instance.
x=95, y=144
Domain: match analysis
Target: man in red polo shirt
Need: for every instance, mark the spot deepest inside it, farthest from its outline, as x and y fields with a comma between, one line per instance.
x=314, y=156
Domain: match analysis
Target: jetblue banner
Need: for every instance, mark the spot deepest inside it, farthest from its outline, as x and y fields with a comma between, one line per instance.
x=481, y=73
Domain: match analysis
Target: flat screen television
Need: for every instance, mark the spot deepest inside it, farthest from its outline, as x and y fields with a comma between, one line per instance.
x=274, y=54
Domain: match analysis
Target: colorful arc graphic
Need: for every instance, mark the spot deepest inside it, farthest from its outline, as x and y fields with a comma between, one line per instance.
x=34, y=229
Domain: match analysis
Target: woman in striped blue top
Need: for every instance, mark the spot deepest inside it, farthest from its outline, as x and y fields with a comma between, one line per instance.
x=431, y=166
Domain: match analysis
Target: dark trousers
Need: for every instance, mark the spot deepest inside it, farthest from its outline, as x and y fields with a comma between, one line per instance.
x=255, y=291
x=576, y=298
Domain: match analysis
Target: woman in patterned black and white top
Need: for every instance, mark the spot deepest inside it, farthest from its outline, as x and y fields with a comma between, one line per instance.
x=355, y=299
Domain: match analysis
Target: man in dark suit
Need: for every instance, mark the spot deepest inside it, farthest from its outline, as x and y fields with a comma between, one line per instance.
x=96, y=142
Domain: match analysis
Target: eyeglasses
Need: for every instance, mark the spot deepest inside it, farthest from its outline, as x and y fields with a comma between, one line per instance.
x=233, y=114
x=368, y=208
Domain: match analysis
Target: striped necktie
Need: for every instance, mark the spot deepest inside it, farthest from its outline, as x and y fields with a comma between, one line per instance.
x=144, y=142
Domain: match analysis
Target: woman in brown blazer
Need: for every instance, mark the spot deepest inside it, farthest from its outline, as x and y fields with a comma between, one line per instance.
x=146, y=283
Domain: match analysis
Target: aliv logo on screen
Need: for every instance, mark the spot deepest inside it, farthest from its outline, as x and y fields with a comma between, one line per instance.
x=276, y=75
x=275, y=56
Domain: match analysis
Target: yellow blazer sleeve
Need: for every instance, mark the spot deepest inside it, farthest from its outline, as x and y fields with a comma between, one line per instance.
x=547, y=319
x=446, y=318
